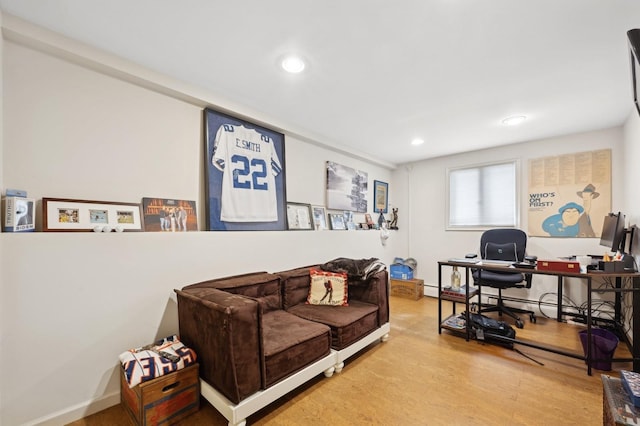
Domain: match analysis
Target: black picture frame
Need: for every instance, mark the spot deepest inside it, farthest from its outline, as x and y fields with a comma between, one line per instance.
x=264, y=160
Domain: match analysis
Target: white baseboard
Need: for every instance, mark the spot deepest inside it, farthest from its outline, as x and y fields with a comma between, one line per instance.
x=78, y=411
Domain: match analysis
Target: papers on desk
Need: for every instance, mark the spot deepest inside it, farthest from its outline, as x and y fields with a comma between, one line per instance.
x=490, y=262
x=464, y=260
x=485, y=262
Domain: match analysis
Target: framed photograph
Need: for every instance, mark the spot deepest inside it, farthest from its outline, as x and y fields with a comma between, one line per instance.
x=348, y=217
x=299, y=216
x=166, y=215
x=346, y=188
x=319, y=218
x=337, y=221
x=380, y=196
x=368, y=219
x=67, y=215
x=245, y=175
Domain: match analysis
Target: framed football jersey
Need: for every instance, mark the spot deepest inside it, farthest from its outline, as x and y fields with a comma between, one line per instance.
x=245, y=173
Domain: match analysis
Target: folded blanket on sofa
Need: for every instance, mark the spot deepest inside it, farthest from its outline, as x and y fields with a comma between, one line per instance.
x=162, y=357
x=356, y=269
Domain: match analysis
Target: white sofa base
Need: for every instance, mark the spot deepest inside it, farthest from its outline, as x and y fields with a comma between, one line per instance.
x=237, y=414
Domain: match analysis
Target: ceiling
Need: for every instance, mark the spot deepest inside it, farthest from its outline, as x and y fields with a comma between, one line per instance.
x=380, y=73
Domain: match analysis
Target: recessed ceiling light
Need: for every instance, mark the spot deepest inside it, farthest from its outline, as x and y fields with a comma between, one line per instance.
x=293, y=64
x=514, y=120
x=417, y=141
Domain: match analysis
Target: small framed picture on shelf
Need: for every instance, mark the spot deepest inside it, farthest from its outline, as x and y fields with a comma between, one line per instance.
x=368, y=219
x=348, y=217
x=162, y=214
x=67, y=215
x=319, y=218
x=337, y=221
x=299, y=216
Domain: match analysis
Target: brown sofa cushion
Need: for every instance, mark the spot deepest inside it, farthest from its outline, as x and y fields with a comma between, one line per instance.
x=291, y=343
x=348, y=323
x=261, y=286
x=295, y=285
x=375, y=292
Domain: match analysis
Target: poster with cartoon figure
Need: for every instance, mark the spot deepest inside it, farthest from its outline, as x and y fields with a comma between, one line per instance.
x=569, y=195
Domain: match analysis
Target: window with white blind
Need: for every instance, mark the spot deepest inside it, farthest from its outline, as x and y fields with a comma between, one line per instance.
x=483, y=196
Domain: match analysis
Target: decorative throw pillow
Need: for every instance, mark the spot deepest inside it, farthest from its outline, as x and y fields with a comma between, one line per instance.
x=507, y=251
x=328, y=288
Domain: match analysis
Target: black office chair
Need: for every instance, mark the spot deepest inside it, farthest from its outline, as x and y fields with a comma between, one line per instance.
x=505, y=245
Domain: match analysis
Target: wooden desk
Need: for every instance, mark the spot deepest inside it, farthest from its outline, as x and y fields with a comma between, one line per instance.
x=618, y=288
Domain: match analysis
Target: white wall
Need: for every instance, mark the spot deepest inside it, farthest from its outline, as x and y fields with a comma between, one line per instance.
x=429, y=242
x=632, y=171
x=72, y=302
x=632, y=175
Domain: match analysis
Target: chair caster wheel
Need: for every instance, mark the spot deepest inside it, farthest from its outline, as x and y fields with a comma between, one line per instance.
x=533, y=318
x=519, y=323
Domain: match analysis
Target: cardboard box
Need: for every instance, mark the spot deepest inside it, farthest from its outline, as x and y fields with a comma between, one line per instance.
x=410, y=289
x=163, y=400
x=401, y=272
x=558, y=266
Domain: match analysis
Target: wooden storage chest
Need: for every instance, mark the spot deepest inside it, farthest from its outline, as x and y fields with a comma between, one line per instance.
x=163, y=400
x=617, y=407
x=410, y=289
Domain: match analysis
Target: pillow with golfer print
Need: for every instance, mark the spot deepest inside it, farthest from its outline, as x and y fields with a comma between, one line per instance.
x=328, y=288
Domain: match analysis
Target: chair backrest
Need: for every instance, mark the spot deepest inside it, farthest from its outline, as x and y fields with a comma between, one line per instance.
x=503, y=244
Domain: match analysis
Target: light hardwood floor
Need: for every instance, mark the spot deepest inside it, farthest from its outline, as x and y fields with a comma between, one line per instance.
x=421, y=378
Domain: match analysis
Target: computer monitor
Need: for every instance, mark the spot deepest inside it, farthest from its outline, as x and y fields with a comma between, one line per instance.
x=634, y=53
x=613, y=232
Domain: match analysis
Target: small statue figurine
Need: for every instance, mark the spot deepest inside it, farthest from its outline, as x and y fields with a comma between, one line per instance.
x=381, y=220
x=394, y=222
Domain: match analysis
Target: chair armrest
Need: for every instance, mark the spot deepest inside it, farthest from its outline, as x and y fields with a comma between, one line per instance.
x=527, y=279
x=224, y=330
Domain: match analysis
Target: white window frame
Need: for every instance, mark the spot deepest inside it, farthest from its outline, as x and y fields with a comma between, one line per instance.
x=476, y=227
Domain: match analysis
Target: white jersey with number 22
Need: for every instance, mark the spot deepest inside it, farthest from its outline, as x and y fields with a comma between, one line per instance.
x=249, y=163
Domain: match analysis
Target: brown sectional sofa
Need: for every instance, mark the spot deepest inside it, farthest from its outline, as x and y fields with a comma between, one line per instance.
x=257, y=338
